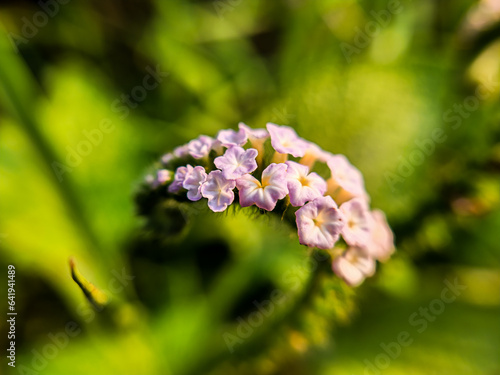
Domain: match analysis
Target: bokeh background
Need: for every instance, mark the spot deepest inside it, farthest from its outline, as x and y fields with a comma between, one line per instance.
x=370, y=79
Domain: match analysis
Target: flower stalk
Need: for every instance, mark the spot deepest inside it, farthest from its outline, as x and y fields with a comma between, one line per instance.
x=97, y=298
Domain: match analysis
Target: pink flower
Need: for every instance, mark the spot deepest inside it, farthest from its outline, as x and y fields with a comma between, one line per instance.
x=167, y=158
x=302, y=185
x=230, y=137
x=181, y=151
x=218, y=190
x=217, y=147
x=319, y=223
x=264, y=195
x=257, y=138
x=180, y=175
x=314, y=153
x=193, y=181
x=356, y=231
x=346, y=182
x=253, y=134
x=162, y=177
x=236, y=162
x=285, y=141
x=200, y=147
x=381, y=245
x=354, y=266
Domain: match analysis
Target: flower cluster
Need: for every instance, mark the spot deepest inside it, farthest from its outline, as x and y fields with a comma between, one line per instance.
x=267, y=166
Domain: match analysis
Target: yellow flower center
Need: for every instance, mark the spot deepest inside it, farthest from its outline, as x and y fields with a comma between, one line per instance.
x=265, y=182
x=304, y=181
x=319, y=220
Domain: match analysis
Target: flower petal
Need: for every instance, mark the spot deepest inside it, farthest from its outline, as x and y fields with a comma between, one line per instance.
x=285, y=141
x=319, y=223
x=218, y=190
x=193, y=181
x=230, y=137
x=237, y=162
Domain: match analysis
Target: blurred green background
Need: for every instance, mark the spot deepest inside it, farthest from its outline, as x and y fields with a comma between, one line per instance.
x=370, y=79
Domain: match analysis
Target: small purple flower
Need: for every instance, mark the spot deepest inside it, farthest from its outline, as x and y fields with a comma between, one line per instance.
x=285, y=141
x=319, y=223
x=163, y=176
x=181, y=151
x=200, y=147
x=314, y=153
x=230, y=137
x=354, y=266
x=180, y=175
x=381, y=245
x=218, y=190
x=356, y=231
x=264, y=195
x=346, y=181
x=236, y=162
x=302, y=185
x=257, y=138
x=193, y=181
x=253, y=134
x=217, y=147
x=167, y=158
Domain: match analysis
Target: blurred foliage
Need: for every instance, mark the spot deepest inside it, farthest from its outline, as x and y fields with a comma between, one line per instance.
x=252, y=61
